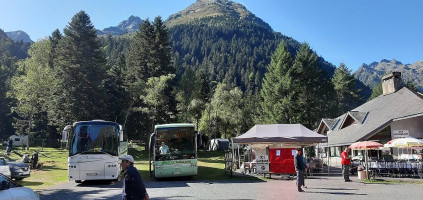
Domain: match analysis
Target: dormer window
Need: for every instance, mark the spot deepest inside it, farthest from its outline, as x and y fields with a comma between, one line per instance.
x=354, y=117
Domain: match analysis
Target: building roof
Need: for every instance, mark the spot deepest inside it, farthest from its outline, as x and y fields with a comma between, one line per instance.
x=373, y=116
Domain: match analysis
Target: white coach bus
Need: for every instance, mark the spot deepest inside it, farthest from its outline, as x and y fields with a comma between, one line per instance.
x=94, y=149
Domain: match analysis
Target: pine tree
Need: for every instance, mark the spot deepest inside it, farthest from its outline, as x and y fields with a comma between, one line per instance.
x=310, y=87
x=344, y=85
x=276, y=92
x=81, y=68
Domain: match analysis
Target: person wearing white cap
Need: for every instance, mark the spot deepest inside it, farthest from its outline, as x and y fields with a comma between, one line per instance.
x=133, y=187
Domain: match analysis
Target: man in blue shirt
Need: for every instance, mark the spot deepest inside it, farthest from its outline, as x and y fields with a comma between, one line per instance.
x=299, y=168
x=133, y=187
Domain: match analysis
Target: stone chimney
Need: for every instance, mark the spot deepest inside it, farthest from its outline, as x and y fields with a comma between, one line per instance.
x=391, y=83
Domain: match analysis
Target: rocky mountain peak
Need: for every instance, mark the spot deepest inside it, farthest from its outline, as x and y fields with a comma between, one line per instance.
x=127, y=26
x=18, y=36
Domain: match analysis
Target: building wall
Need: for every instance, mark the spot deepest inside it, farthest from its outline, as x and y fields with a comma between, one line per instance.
x=414, y=126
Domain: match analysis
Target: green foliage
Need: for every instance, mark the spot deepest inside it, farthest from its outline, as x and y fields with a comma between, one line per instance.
x=33, y=89
x=411, y=86
x=347, y=97
x=377, y=91
x=80, y=67
x=158, y=98
x=276, y=92
x=295, y=91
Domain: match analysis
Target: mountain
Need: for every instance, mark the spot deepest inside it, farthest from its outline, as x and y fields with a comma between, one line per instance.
x=227, y=41
x=213, y=8
x=127, y=26
x=18, y=36
x=371, y=74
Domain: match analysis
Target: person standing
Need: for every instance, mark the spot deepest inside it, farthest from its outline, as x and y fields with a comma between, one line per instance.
x=299, y=168
x=34, y=160
x=346, y=162
x=133, y=187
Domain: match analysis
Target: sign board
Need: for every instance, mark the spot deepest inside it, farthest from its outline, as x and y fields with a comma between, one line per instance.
x=262, y=164
x=278, y=152
x=400, y=134
x=294, y=152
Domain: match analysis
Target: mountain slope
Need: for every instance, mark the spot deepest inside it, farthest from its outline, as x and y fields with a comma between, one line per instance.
x=227, y=41
x=371, y=74
x=212, y=8
x=127, y=26
x=18, y=36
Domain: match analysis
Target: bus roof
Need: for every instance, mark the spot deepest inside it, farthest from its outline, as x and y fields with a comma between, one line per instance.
x=96, y=122
x=173, y=125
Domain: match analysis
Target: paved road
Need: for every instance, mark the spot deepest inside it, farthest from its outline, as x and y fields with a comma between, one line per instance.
x=318, y=188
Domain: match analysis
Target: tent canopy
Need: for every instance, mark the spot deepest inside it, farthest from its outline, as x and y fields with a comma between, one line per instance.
x=280, y=133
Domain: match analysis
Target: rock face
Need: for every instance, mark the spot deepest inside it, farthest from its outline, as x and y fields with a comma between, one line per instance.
x=19, y=36
x=212, y=8
x=371, y=74
x=127, y=26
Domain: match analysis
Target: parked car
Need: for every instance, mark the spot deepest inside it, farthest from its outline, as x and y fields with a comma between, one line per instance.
x=4, y=168
x=10, y=190
x=14, y=170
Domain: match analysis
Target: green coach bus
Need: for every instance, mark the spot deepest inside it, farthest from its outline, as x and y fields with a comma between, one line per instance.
x=173, y=151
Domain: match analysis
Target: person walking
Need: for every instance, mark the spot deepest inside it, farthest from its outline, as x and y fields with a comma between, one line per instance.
x=133, y=187
x=346, y=162
x=299, y=168
x=9, y=147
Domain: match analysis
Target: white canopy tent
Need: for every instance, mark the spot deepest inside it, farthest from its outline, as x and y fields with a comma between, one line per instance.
x=288, y=134
x=279, y=136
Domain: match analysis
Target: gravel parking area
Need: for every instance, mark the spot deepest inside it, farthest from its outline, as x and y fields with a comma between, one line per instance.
x=318, y=188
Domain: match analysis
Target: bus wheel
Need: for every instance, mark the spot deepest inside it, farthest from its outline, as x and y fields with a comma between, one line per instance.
x=78, y=181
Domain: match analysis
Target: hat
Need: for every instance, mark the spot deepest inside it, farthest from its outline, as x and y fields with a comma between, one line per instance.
x=128, y=158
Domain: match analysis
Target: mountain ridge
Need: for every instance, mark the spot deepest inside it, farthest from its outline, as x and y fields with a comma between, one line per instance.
x=19, y=36
x=371, y=74
x=129, y=25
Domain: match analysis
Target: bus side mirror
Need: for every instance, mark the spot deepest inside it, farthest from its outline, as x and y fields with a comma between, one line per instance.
x=65, y=133
x=152, y=140
x=199, y=140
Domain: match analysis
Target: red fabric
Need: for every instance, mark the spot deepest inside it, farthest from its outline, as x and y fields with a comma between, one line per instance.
x=283, y=164
x=343, y=160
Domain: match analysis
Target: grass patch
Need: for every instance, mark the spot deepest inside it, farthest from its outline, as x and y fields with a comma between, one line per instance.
x=55, y=170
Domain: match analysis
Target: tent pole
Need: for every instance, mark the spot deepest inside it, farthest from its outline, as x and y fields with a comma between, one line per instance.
x=327, y=154
x=239, y=157
x=233, y=156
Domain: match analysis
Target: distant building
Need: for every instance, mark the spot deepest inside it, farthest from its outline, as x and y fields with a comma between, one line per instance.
x=398, y=112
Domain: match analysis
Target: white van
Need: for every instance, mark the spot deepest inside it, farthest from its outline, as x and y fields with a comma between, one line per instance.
x=20, y=140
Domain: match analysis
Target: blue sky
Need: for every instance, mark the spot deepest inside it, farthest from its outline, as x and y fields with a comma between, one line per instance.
x=351, y=32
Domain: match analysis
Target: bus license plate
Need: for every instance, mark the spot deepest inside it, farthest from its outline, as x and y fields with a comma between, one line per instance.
x=91, y=174
x=176, y=173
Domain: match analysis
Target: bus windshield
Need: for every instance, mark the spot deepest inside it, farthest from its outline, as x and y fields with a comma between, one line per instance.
x=94, y=138
x=175, y=143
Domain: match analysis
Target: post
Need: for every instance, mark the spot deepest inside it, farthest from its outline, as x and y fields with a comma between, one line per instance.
x=327, y=154
x=367, y=165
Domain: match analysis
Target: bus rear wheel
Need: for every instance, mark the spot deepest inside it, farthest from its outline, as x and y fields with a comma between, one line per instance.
x=78, y=181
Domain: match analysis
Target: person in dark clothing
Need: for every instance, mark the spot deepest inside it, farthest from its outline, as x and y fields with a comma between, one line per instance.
x=34, y=160
x=299, y=168
x=10, y=143
x=133, y=187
